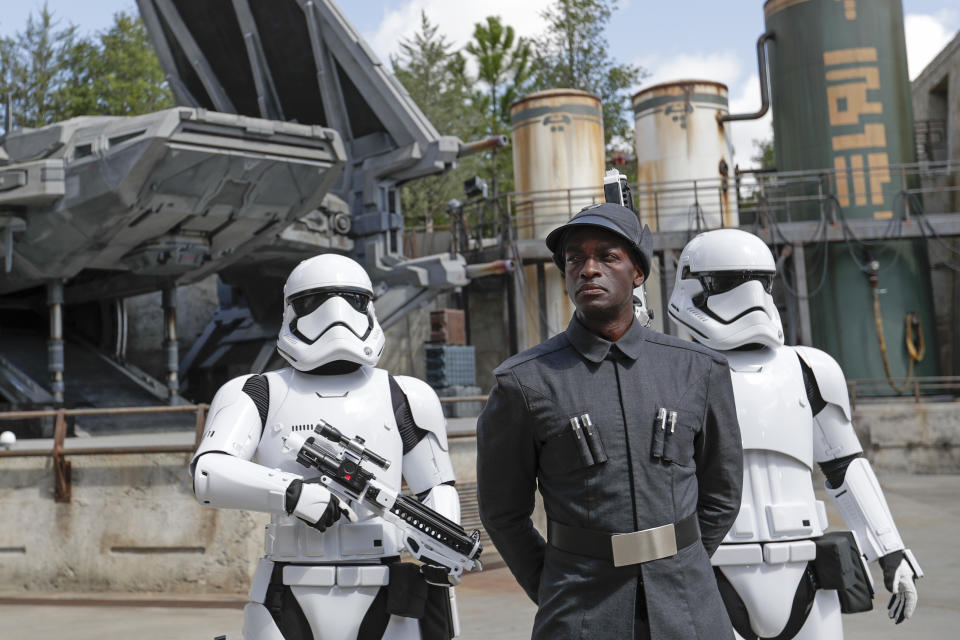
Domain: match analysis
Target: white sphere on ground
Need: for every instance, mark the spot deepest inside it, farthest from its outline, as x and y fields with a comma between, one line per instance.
x=7, y=439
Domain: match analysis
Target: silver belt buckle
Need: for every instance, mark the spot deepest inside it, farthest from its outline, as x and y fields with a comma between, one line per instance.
x=643, y=546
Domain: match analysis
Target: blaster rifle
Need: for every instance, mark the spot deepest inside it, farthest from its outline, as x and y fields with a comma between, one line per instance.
x=428, y=535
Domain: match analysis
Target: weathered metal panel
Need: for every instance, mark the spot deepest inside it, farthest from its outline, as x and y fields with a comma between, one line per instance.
x=841, y=100
x=558, y=165
x=176, y=194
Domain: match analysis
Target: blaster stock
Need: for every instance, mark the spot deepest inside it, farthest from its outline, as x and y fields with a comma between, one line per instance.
x=428, y=535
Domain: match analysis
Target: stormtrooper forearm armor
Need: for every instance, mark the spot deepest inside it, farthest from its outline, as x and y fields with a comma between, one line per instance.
x=861, y=503
x=851, y=482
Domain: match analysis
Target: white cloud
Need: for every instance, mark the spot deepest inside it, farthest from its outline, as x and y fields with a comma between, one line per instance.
x=455, y=19
x=746, y=99
x=722, y=66
x=926, y=35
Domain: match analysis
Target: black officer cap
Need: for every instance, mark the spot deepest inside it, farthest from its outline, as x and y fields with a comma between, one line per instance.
x=612, y=217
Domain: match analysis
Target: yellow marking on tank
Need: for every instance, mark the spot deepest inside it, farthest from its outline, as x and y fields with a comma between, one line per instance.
x=859, y=180
x=775, y=6
x=874, y=135
x=843, y=191
x=849, y=9
x=846, y=56
x=852, y=96
x=879, y=164
x=848, y=104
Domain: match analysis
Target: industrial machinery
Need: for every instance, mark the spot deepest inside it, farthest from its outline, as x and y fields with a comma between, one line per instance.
x=291, y=139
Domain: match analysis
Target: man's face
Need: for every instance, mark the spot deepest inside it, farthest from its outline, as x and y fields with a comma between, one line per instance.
x=599, y=272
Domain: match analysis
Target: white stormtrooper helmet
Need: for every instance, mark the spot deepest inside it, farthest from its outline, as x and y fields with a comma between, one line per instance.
x=722, y=295
x=328, y=314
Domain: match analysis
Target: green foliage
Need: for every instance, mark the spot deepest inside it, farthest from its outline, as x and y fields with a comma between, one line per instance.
x=765, y=153
x=434, y=76
x=503, y=67
x=120, y=75
x=51, y=74
x=33, y=64
x=574, y=54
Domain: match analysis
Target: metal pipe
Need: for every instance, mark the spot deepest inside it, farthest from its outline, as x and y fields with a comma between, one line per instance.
x=170, y=347
x=764, y=90
x=486, y=144
x=55, y=343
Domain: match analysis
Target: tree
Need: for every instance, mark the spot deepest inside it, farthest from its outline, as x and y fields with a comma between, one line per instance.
x=51, y=74
x=434, y=76
x=119, y=75
x=503, y=67
x=574, y=54
x=765, y=154
x=32, y=65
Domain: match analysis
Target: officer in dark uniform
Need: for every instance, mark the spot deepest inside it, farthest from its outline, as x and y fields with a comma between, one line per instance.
x=632, y=438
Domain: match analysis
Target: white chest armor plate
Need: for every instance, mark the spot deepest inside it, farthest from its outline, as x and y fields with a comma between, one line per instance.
x=776, y=426
x=358, y=404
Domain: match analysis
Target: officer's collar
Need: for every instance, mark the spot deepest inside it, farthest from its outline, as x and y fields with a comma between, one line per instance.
x=595, y=349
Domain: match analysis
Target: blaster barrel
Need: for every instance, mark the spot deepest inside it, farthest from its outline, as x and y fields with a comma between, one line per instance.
x=497, y=267
x=493, y=142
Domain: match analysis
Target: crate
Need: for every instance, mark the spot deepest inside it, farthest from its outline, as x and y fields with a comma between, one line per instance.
x=460, y=409
x=451, y=365
x=448, y=326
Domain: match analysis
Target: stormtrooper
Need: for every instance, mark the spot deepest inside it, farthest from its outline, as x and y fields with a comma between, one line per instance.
x=780, y=575
x=331, y=570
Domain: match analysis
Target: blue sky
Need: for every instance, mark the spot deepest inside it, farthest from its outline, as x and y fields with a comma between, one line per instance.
x=693, y=38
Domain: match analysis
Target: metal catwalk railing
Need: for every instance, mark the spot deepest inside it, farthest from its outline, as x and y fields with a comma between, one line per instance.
x=63, y=447
x=816, y=199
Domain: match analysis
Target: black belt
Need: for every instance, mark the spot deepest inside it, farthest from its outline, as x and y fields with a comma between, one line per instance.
x=626, y=548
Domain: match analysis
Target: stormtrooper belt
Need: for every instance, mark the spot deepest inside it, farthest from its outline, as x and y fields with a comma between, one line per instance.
x=626, y=548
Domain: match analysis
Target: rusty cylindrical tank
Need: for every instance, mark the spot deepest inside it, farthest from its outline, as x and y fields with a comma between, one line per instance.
x=558, y=164
x=683, y=163
x=678, y=139
x=841, y=101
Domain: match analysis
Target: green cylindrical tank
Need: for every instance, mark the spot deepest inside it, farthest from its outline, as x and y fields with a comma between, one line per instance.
x=841, y=100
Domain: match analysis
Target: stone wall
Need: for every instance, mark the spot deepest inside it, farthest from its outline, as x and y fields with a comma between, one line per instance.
x=913, y=437
x=133, y=524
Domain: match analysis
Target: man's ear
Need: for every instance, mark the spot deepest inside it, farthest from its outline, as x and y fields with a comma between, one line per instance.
x=638, y=279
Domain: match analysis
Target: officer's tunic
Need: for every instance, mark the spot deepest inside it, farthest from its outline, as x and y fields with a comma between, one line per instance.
x=524, y=440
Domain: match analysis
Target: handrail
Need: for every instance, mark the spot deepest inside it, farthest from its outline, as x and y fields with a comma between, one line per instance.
x=59, y=453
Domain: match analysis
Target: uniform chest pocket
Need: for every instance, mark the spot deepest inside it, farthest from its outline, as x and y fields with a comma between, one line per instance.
x=673, y=436
x=576, y=445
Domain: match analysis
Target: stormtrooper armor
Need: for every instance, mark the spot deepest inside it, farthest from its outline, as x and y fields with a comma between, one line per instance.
x=793, y=410
x=328, y=565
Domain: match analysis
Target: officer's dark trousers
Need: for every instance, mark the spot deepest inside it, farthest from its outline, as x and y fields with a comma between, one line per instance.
x=641, y=626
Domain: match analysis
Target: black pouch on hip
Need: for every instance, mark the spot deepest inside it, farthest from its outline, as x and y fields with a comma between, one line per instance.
x=838, y=565
x=407, y=591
